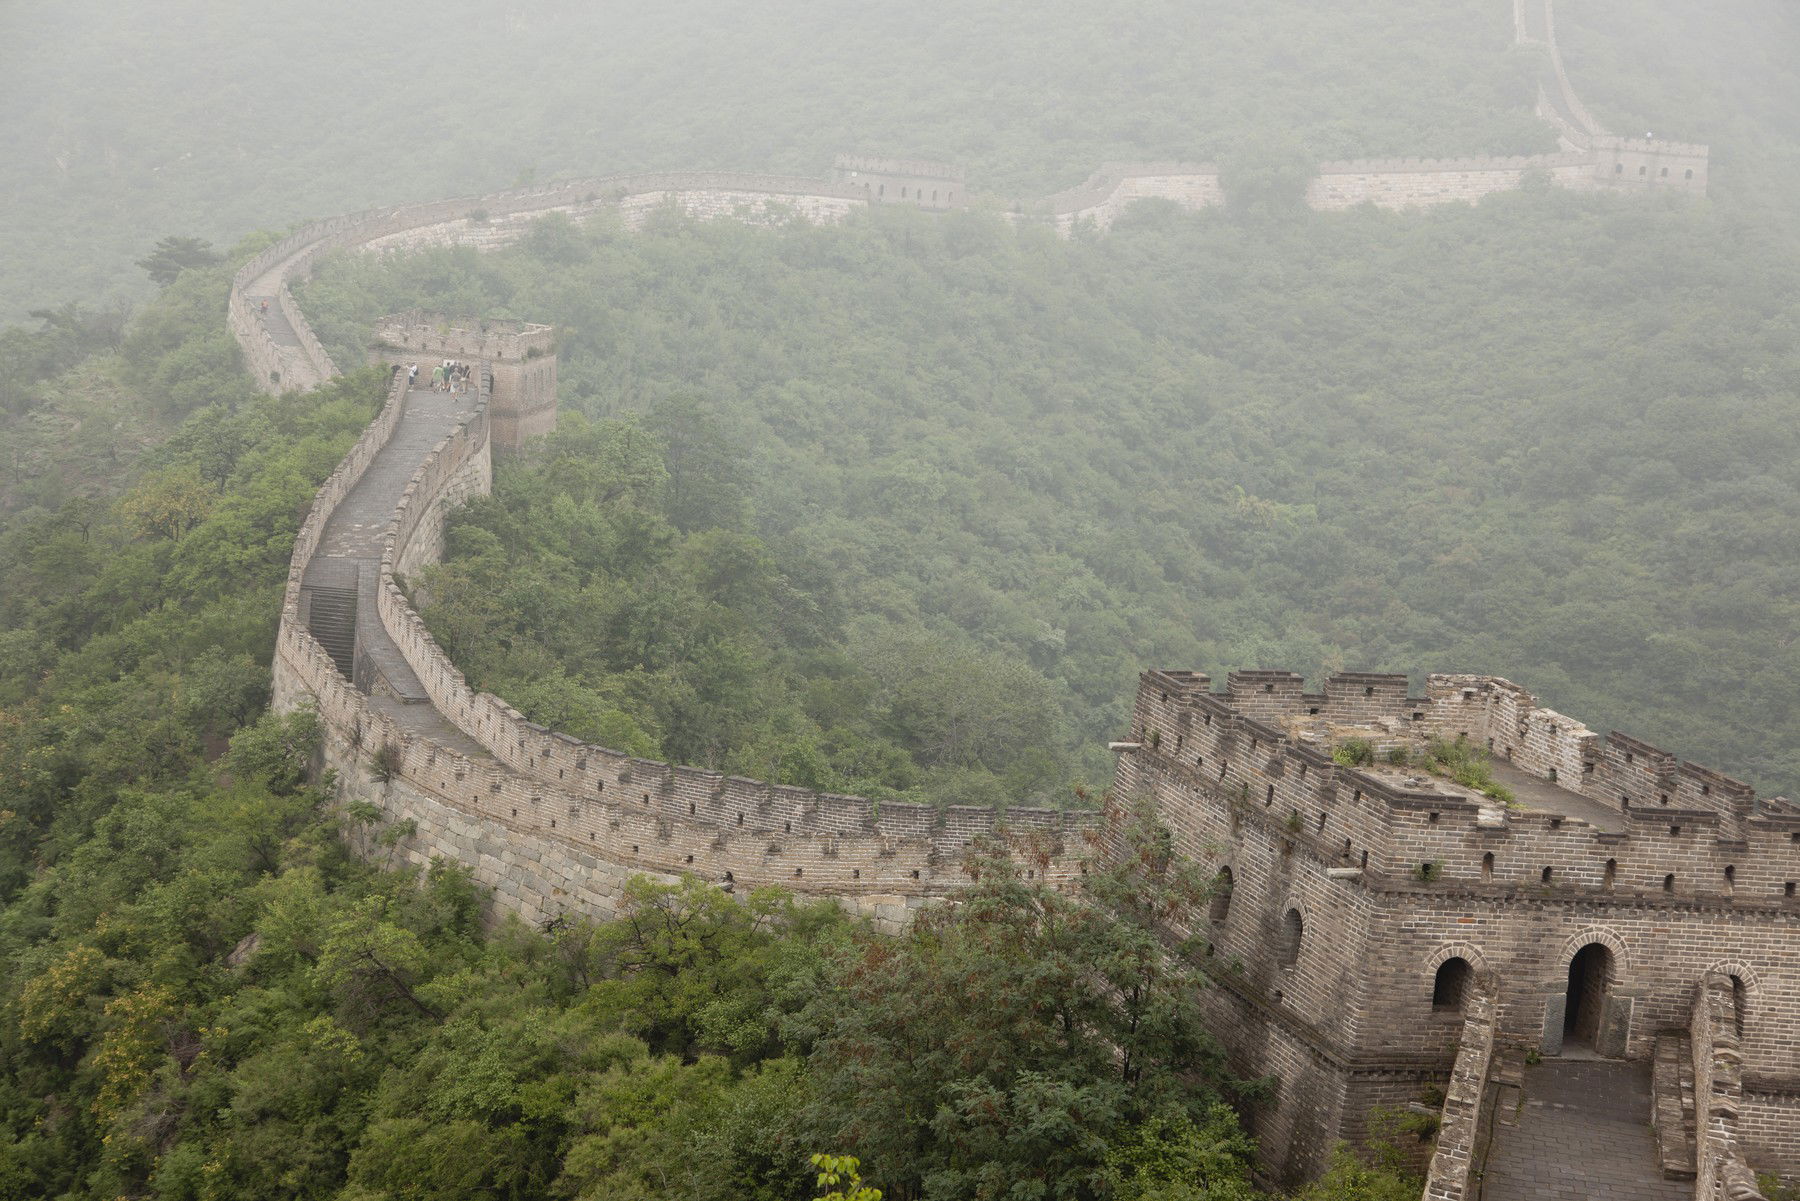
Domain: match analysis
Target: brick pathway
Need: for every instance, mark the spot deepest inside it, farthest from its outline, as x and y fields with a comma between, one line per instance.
x=1582, y=1135
x=353, y=536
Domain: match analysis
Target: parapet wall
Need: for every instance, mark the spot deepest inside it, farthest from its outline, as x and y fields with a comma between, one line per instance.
x=1459, y=1132
x=594, y=814
x=1642, y=824
x=554, y=824
x=1721, y=1171
x=434, y=334
x=486, y=221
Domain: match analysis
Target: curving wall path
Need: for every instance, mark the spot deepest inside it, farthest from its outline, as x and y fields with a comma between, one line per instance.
x=550, y=823
x=553, y=824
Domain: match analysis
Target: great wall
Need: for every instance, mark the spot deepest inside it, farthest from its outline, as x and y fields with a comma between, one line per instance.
x=1378, y=929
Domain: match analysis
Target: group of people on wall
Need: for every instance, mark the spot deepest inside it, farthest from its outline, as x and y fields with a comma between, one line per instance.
x=449, y=376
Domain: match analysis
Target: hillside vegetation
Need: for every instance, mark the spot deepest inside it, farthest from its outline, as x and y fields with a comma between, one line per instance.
x=902, y=506
x=1551, y=438
x=201, y=116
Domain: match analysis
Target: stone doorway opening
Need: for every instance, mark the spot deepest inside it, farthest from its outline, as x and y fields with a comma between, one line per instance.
x=1584, y=1010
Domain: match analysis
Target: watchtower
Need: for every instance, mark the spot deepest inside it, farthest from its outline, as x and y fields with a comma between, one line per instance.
x=1649, y=163
x=1371, y=886
x=916, y=182
x=518, y=359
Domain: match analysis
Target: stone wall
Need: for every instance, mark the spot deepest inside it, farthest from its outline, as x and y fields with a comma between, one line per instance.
x=1460, y=1130
x=1721, y=1171
x=1418, y=183
x=488, y=221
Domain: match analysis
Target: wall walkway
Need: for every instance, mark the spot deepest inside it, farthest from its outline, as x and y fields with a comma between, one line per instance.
x=1582, y=1135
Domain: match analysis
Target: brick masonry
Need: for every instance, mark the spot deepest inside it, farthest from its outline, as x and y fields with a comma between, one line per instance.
x=1386, y=873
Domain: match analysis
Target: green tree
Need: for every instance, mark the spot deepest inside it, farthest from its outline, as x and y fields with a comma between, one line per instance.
x=1005, y=1044
x=175, y=254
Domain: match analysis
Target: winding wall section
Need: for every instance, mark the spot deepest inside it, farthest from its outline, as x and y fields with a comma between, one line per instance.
x=554, y=824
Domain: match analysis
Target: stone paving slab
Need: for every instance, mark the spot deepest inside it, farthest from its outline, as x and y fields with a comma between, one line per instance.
x=1583, y=1134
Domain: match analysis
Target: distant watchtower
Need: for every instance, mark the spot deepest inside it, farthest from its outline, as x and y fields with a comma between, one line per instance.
x=901, y=181
x=519, y=357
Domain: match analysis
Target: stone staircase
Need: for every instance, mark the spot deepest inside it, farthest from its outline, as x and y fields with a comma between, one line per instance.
x=332, y=621
x=331, y=608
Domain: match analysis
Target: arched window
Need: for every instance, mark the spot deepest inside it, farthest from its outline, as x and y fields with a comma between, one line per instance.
x=1487, y=866
x=1292, y=931
x=1612, y=872
x=1451, y=986
x=1221, y=897
x=1738, y=997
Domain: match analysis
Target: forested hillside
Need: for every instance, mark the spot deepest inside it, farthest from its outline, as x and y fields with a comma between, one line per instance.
x=200, y=117
x=1551, y=438
x=211, y=988
x=900, y=507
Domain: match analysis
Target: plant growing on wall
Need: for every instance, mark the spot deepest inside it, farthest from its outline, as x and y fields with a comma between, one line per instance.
x=1465, y=763
x=385, y=763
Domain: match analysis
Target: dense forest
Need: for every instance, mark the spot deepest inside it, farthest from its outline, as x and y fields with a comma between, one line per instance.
x=1550, y=437
x=899, y=508
x=215, y=988
x=227, y=128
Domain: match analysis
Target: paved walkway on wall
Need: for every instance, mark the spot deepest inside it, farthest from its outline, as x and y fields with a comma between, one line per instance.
x=1582, y=1135
x=1534, y=793
x=276, y=322
x=350, y=548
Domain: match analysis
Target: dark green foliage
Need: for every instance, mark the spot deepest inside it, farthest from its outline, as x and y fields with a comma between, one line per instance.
x=1005, y=1045
x=205, y=997
x=1266, y=180
x=1550, y=437
x=175, y=254
x=1467, y=764
x=610, y=590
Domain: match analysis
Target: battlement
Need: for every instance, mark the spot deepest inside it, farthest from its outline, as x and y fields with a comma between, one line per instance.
x=1615, y=815
x=918, y=168
x=1514, y=162
x=434, y=334
x=915, y=182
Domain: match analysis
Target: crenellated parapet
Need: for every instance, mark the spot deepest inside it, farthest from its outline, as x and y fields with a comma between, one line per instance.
x=1613, y=816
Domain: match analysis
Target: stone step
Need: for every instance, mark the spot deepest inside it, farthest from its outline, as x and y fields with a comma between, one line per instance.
x=1672, y=1104
x=331, y=620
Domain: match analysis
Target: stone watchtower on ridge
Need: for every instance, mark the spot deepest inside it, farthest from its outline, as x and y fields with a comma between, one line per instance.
x=517, y=358
x=916, y=182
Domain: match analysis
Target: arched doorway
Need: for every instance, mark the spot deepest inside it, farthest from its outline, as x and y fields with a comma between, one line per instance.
x=1584, y=1011
x=1450, y=988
